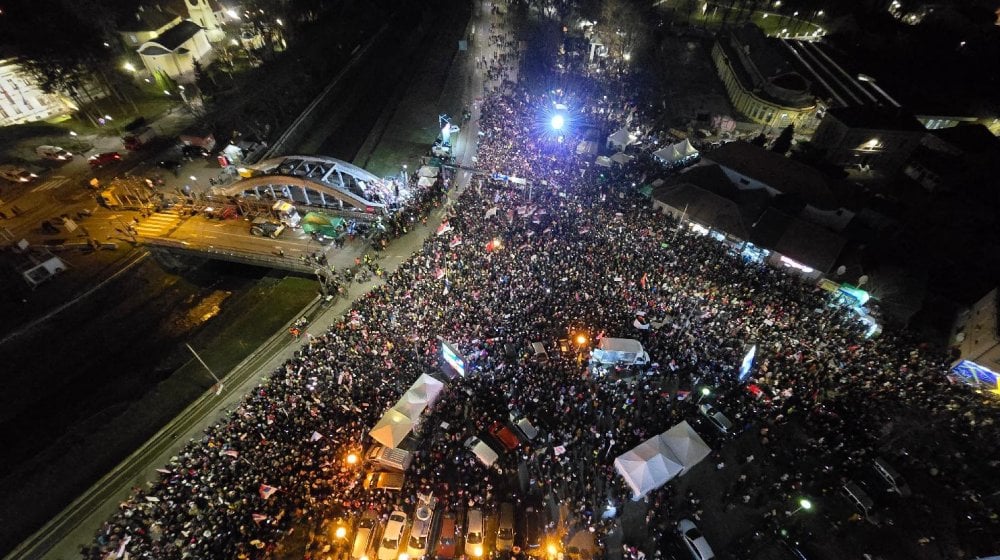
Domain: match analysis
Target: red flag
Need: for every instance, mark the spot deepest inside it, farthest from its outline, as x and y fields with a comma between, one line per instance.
x=258, y=517
x=232, y=453
x=266, y=491
x=642, y=282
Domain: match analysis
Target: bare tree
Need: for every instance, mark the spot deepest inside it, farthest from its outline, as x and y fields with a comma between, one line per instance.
x=623, y=26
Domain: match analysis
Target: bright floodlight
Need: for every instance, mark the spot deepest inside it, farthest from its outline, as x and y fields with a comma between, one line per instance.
x=558, y=122
x=805, y=504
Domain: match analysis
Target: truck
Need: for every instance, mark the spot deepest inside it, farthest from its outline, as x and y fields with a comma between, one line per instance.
x=138, y=138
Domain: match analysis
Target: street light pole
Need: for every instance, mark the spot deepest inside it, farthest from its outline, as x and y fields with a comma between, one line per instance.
x=705, y=391
x=804, y=504
x=218, y=382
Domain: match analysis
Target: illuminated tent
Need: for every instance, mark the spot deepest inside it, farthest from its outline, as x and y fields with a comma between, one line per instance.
x=648, y=466
x=425, y=389
x=621, y=158
x=686, y=445
x=392, y=428
x=668, y=155
x=621, y=139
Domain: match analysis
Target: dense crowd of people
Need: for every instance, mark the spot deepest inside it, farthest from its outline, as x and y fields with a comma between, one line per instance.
x=580, y=253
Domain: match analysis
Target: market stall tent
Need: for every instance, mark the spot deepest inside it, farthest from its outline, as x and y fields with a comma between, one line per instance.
x=648, y=466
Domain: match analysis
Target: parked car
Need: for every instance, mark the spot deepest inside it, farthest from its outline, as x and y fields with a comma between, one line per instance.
x=474, y=529
x=392, y=536
x=504, y=435
x=716, y=418
x=532, y=533
x=696, y=543
x=364, y=536
x=446, y=537
x=858, y=497
x=105, y=158
x=54, y=153
x=893, y=479
x=523, y=426
x=194, y=152
x=420, y=533
x=16, y=174
x=505, y=531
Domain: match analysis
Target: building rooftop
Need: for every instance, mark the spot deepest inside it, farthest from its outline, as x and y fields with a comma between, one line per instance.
x=776, y=171
x=801, y=241
x=175, y=36
x=761, y=67
x=876, y=118
x=970, y=138
x=150, y=15
x=703, y=206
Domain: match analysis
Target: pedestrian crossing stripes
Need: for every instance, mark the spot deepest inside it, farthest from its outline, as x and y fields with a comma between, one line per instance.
x=159, y=223
x=53, y=183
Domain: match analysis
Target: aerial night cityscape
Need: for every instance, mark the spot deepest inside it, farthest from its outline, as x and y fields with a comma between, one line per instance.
x=500, y=279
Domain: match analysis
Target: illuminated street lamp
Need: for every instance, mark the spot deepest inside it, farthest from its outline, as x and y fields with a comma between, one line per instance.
x=129, y=67
x=804, y=504
x=340, y=533
x=705, y=391
x=557, y=122
x=352, y=459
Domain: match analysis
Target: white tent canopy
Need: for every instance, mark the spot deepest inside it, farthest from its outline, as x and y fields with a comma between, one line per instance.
x=392, y=428
x=621, y=158
x=648, y=466
x=676, y=152
x=621, y=138
x=426, y=388
x=685, y=148
x=686, y=445
x=410, y=407
x=603, y=161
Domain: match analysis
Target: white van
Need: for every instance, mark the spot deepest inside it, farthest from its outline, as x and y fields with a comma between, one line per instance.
x=54, y=153
x=619, y=351
x=483, y=452
x=389, y=457
x=538, y=353
x=474, y=534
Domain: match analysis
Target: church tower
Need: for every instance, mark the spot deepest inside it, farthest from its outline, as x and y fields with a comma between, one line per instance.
x=200, y=12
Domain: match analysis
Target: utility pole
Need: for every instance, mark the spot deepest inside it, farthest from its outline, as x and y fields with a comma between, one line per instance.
x=218, y=382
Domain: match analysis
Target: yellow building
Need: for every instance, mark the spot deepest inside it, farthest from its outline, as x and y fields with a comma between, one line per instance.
x=761, y=82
